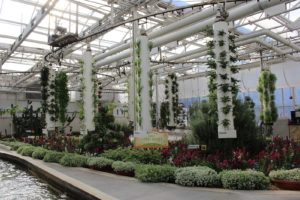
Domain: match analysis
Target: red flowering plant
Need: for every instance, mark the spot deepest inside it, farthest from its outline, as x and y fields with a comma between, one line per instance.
x=279, y=154
x=239, y=159
x=179, y=154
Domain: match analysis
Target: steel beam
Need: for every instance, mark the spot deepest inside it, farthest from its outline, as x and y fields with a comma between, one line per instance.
x=29, y=28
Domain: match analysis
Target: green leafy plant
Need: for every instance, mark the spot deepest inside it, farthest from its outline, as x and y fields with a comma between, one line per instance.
x=225, y=122
x=226, y=109
x=39, y=153
x=244, y=180
x=221, y=43
x=53, y=156
x=26, y=150
x=99, y=163
x=73, y=160
x=62, y=96
x=123, y=167
x=210, y=44
x=155, y=173
x=135, y=155
x=197, y=176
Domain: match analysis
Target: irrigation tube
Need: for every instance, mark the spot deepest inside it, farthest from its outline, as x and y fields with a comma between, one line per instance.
x=234, y=13
x=167, y=29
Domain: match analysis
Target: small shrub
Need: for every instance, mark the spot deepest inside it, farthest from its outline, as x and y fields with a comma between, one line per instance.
x=244, y=180
x=155, y=173
x=15, y=145
x=39, y=153
x=53, y=156
x=73, y=160
x=135, y=155
x=100, y=163
x=26, y=150
x=126, y=167
x=21, y=147
x=291, y=175
x=197, y=176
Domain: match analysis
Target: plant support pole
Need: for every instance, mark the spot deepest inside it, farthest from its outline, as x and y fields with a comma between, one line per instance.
x=88, y=91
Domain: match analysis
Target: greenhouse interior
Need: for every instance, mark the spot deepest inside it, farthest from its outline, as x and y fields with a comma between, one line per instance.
x=195, y=93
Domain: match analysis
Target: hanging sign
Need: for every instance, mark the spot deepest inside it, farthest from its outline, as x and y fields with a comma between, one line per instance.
x=151, y=140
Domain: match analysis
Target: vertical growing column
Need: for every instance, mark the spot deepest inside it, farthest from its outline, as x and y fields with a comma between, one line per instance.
x=51, y=115
x=171, y=92
x=142, y=86
x=223, y=80
x=88, y=92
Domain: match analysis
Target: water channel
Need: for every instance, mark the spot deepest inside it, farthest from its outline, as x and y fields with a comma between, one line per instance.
x=18, y=184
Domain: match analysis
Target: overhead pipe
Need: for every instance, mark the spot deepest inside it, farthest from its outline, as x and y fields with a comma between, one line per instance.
x=167, y=29
x=234, y=13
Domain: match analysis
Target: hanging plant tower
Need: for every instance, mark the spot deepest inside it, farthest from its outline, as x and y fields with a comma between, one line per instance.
x=266, y=89
x=62, y=96
x=88, y=93
x=44, y=92
x=143, y=84
x=222, y=86
x=52, y=109
x=171, y=92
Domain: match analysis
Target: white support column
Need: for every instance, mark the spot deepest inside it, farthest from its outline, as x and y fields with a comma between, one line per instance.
x=131, y=80
x=146, y=125
x=88, y=105
x=49, y=117
x=223, y=131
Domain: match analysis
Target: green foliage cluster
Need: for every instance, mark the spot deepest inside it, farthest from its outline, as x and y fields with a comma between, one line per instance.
x=53, y=156
x=73, y=160
x=26, y=150
x=39, y=153
x=126, y=167
x=266, y=89
x=155, y=173
x=134, y=155
x=28, y=120
x=204, y=120
x=99, y=162
x=290, y=175
x=244, y=180
x=44, y=91
x=138, y=82
x=197, y=176
x=62, y=96
x=107, y=135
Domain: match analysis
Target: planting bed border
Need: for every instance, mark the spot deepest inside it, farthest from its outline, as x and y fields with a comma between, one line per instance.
x=72, y=187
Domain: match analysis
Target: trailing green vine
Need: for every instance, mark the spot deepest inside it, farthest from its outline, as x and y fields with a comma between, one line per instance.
x=172, y=95
x=62, y=96
x=138, y=84
x=82, y=88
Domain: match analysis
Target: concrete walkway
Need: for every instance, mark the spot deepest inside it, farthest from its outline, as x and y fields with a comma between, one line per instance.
x=110, y=186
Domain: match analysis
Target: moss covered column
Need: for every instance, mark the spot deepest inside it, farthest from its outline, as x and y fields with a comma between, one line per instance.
x=224, y=84
x=88, y=92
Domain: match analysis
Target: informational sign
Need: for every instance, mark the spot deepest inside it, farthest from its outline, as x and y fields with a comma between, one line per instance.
x=151, y=140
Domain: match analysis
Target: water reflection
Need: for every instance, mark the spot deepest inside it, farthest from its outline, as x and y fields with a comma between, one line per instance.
x=17, y=184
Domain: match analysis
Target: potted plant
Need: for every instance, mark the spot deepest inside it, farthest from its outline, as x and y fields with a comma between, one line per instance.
x=286, y=179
